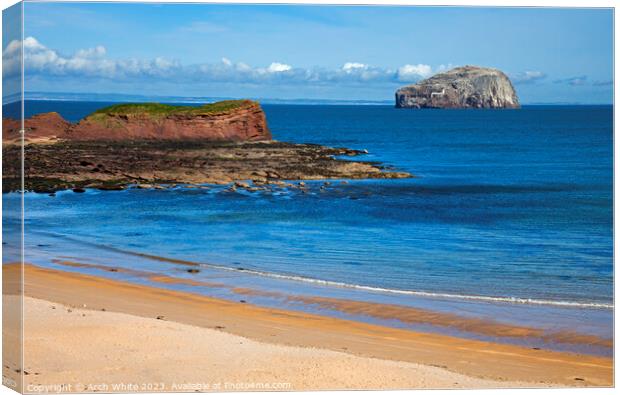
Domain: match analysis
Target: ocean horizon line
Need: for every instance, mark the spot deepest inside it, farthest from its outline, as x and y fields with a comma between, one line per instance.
x=121, y=97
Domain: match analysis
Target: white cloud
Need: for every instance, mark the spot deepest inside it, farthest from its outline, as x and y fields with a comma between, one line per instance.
x=353, y=66
x=96, y=63
x=527, y=77
x=411, y=72
x=243, y=67
x=444, y=67
x=573, y=81
x=276, y=67
x=97, y=52
x=38, y=59
x=11, y=59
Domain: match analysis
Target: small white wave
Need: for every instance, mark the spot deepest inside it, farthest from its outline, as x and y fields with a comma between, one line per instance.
x=316, y=281
x=497, y=299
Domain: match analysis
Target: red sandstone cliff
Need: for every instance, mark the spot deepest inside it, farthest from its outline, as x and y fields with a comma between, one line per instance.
x=245, y=122
x=49, y=124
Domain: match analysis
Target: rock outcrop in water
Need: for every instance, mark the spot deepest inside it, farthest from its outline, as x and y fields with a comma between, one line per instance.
x=150, y=145
x=232, y=120
x=104, y=164
x=462, y=87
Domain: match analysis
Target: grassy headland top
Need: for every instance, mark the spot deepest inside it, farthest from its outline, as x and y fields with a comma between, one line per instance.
x=162, y=110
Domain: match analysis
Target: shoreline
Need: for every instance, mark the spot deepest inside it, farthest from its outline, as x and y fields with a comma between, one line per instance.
x=448, y=322
x=500, y=364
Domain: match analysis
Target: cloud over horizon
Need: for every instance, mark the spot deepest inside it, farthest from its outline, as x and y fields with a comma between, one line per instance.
x=527, y=77
x=573, y=81
x=55, y=70
x=583, y=80
x=87, y=62
x=94, y=62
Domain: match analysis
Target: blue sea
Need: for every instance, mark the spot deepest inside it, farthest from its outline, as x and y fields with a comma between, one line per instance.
x=509, y=217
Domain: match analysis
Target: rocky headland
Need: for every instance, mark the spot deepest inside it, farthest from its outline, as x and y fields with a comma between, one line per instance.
x=231, y=120
x=461, y=87
x=155, y=146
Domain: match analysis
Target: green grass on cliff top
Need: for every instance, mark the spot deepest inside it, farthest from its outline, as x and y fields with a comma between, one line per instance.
x=162, y=110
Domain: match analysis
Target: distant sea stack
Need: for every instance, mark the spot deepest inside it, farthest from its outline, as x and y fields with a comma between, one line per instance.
x=461, y=87
x=231, y=120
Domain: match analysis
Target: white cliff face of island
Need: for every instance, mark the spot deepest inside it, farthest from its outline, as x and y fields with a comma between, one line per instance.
x=461, y=87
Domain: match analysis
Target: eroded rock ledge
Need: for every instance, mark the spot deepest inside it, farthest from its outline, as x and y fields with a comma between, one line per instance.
x=114, y=165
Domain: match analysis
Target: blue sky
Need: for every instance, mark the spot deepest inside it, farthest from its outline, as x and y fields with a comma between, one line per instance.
x=328, y=52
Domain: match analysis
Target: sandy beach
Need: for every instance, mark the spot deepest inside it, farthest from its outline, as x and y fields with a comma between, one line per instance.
x=229, y=197
x=92, y=334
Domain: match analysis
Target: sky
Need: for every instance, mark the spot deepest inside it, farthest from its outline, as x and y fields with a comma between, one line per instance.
x=556, y=55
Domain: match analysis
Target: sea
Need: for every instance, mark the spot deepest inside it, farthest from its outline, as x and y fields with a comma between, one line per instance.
x=508, y=218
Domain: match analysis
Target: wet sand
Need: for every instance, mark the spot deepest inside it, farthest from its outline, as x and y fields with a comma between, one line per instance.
x=382, y=311
x=88, y=329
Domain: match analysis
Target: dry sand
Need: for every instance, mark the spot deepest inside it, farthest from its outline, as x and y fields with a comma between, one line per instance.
x=71, y=346
x=201, y=343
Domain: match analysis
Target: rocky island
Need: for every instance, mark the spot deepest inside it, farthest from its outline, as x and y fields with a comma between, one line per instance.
x=156, y=145
x=461, y=87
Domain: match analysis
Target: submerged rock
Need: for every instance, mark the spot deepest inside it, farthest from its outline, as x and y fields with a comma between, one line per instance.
x=462, y=87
